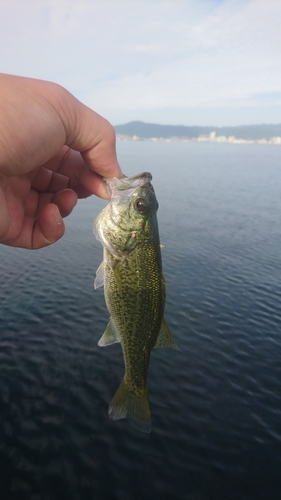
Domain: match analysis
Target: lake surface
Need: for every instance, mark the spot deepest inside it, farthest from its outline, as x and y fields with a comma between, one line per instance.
x=215, y=403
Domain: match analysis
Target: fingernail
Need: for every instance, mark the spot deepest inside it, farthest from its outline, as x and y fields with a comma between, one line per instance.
x=57, y=217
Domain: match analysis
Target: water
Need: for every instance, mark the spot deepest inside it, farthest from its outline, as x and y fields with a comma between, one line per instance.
x=216, y=406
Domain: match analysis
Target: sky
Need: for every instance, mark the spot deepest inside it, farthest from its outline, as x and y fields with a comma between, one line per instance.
x=188, y=62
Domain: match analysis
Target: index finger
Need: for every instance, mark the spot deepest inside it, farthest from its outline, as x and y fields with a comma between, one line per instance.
x=90, y=134
x=38, y=118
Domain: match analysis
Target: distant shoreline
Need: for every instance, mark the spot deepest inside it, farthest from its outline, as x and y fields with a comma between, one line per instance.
x=208, y=138
x=244, y=134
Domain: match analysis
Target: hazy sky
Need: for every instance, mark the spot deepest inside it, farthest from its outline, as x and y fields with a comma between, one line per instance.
x=191, y=62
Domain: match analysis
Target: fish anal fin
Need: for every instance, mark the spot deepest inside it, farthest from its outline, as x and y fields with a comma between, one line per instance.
x=131, y=405
x=110, y=336
x=165, y=338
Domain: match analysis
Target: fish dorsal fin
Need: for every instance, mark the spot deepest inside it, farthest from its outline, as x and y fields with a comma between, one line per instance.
x=99, y=280
x=110, y=336
x=165, y=338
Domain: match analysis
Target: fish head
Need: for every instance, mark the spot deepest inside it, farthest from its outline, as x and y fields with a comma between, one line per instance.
x=131, y=214
x=132, y=200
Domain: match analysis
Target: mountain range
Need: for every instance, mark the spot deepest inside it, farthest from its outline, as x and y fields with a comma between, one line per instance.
x=154, y=130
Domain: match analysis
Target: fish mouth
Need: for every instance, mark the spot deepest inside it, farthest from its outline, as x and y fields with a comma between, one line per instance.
x=127, y=184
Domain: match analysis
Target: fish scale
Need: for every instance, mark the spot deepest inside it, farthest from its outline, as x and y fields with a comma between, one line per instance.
x=136, y=310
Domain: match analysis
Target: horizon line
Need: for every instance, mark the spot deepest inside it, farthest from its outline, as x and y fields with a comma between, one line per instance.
x=199, y=126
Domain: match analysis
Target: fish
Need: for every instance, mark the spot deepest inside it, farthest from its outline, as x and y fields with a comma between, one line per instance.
x=134, y=289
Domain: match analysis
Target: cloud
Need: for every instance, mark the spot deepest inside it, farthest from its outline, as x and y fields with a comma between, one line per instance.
x=126, y=56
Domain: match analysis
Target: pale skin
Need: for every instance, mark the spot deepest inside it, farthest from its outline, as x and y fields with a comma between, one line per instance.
x=53, y=150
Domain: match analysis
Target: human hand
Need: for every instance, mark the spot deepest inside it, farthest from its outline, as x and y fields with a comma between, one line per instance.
x=53, y=150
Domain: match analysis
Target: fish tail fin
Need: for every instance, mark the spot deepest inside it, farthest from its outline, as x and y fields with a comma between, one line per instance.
x=131, y=405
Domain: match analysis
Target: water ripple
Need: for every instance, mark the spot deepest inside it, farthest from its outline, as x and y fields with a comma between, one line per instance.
x=215, y=403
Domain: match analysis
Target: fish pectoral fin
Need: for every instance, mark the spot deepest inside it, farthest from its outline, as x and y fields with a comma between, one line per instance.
x=110, y=336
x=165, y=338
x=99, y=279
x=131, y=405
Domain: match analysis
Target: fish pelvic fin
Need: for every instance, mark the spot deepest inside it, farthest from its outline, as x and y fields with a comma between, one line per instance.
x=110, y=335
x=165, y=338
x=131, y=405
x=99, y=279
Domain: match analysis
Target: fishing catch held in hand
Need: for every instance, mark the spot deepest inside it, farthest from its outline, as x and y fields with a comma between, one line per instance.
x=134, y=289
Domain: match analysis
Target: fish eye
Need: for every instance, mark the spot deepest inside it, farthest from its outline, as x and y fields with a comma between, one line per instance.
x=140, y=205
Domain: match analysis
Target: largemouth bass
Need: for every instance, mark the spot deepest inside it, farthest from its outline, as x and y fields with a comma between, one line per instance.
x=134, y=289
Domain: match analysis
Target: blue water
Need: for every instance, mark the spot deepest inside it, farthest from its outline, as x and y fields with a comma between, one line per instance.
x=215, y=403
